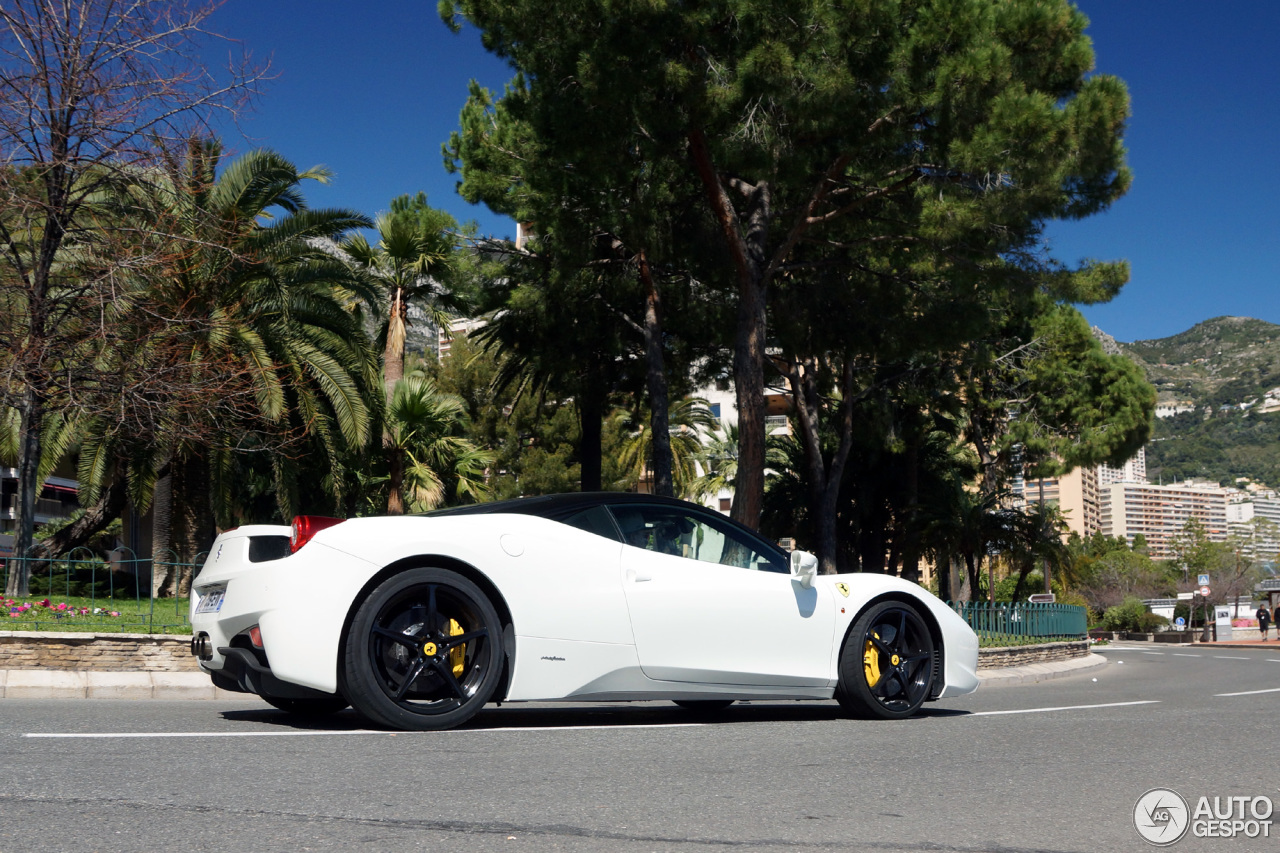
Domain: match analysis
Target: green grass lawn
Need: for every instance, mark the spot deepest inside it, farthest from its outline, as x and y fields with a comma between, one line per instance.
x=100, y=614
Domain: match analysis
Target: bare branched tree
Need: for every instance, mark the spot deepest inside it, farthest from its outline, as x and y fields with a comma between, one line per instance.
x=91, y=91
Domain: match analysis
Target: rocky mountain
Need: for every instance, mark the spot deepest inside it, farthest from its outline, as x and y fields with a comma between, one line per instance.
x=1214, y=367
x=1223, y=361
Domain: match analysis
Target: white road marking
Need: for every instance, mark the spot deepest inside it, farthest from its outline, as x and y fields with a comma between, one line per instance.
x=1181, y=655
x=1154, y=653
x=1228, y=657
x=1273, y=660
x=1250, y=692
x=1117, y=649
x=1063, y=708
x=108, y=735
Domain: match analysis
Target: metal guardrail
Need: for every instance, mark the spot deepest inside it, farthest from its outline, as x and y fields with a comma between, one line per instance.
x=1009, y=623
x=85, y=591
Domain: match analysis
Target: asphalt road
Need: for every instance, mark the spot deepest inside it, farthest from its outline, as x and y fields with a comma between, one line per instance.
x=1056, y=766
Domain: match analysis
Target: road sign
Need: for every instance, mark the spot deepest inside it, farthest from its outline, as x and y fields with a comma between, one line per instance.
x=1180, y=623
x=1202, y=580
x=1043, y=598
x=1185, y=596
x=1204, y=591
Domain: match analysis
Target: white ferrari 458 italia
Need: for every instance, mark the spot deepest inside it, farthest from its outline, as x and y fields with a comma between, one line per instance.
x=419, y=621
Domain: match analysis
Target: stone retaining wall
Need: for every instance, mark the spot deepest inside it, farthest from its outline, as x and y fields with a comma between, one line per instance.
x=26, y=650
x=1041, y=653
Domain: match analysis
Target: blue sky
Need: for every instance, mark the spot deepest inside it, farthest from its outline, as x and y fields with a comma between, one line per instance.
x=372, y=90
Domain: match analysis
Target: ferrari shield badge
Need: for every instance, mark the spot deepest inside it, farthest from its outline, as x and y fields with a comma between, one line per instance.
x=844, y=589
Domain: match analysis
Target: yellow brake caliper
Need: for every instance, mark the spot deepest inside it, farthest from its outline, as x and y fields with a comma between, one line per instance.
x=871, y=662
x=458, y=654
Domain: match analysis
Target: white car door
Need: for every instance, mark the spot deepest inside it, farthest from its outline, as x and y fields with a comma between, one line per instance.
x=709, y=605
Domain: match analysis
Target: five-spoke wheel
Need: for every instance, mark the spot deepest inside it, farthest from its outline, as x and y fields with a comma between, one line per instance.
x=886, y=665
x=424, y=651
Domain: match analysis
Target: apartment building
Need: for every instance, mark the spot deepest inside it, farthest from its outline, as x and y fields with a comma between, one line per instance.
x=1256, y=523
x=458, y=328
x=57, y=500
x=1159, y=513
x=1078, y=494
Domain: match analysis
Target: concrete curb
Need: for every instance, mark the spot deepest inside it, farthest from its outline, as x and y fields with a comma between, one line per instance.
x=1035, y=672
x=87, y=684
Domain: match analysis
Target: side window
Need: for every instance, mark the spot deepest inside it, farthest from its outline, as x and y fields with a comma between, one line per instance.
x=708, y=539
x=595, y=520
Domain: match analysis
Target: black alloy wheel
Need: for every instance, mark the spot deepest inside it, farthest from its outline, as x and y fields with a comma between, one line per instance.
x=886, y=665
x=424, y=651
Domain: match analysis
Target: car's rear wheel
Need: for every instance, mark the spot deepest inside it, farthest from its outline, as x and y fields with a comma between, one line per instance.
x=424, y=651
x=886, y=665
x=311, y=707
x=703, y=706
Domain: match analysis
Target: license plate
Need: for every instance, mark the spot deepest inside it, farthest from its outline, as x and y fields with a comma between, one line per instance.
x=211, y=601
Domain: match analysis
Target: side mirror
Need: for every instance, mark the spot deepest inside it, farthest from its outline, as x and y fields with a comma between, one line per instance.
x=804, y=566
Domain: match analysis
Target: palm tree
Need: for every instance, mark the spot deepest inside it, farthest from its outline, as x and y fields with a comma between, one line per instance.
x=254, y=299
x=718, y=459
x=432, y=462
x=688, y=420
x=414, y=254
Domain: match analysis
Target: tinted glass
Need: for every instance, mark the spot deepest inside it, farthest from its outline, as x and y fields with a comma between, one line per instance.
x=594, y=520
x=694, y=536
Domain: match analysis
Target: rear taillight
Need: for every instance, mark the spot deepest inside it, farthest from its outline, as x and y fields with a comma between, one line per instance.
x=306, y=526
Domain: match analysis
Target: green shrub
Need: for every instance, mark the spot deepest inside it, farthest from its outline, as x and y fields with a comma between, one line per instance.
x=1131, y=616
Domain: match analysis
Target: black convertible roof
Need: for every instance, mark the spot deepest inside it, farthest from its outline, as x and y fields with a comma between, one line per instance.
x=559, y=506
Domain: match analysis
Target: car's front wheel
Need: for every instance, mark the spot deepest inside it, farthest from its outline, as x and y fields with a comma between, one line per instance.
x=424, y=651
x=886, y=665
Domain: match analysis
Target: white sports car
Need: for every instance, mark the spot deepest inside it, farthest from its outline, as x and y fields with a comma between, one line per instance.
x=418, y=621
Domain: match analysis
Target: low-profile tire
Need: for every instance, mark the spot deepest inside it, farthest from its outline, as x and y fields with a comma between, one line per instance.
x=704, y=706
x=886, y=664
x=314, y=707
x=424, y=651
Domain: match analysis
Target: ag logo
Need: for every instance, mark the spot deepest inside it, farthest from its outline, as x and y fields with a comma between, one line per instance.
x=844, y=589
x=1161, y=816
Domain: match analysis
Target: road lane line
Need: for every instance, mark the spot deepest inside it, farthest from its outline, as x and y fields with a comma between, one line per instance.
x=108, y=735
x=1154, y=653
x=1228, y=657
x=1183, y=655
x=1250, y=692
x=1117, y=649
x=1063, y=708
x=1273, y=660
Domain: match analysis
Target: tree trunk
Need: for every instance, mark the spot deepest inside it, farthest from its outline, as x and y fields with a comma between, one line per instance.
x=824, y=477
x=162, y=556
x=590, y=420
x=194, y=516
x=747, y=252
x=94, y=520
x=943, y=568
x=656, y=379
x=31, y=414
x=395, y=480
x=910, y=534
x=393, y=353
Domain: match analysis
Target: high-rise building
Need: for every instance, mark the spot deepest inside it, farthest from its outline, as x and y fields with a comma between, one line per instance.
x=1159, y=513
x=1256, y=523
